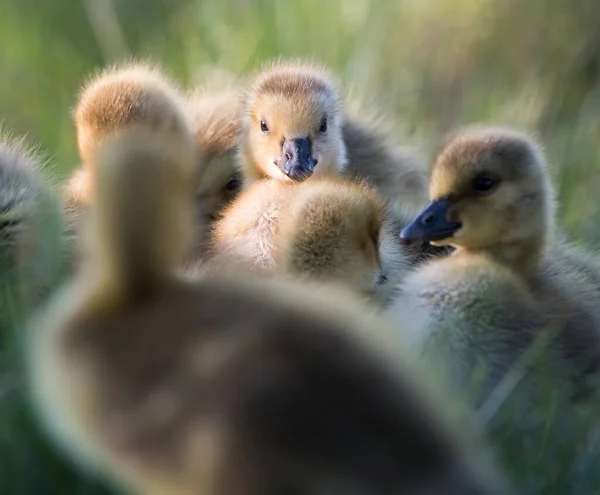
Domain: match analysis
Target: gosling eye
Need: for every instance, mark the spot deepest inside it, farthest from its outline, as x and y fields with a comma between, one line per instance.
x=323, y=128
x=233, y=184
x=264, y=127
x=484, y=184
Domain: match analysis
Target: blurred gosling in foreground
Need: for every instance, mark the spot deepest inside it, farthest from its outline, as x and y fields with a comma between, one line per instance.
x=222, y=386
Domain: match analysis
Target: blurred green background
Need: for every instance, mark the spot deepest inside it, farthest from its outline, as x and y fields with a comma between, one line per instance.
x=428, y=64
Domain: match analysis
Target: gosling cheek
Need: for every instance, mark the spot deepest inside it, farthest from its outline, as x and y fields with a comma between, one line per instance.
x=318, y=160
x=454, y=216
x=463, y=237
x=325, y=160
x=262, y=154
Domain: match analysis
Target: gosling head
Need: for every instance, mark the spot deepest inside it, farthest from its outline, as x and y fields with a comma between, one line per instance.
x=292, y=124
x=488, y=188
x=124, y=95
x=332, y=233
x=219, y=184
x=215, y=120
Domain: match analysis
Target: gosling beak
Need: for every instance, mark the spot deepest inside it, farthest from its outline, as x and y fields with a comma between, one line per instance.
x=431, y=225
x=296, y=159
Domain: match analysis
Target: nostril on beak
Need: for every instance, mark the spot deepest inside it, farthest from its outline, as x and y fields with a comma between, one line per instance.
x=428, y=219
x=288, y=157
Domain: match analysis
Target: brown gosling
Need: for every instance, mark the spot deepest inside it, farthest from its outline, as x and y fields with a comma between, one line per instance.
x=124, y=95
x=215, y=111
x=110, y=103
x=169, y=385
x=141, y=94
x=294, y=126
x=330, y=229
x=510, y=287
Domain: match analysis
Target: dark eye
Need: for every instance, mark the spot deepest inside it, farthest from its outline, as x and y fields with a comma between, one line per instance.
x=233, y=184
x=323, y=128
x=484, y=184
x=264, y=127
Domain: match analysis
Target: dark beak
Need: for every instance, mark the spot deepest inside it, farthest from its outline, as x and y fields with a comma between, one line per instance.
x=296, y=159
x=431, y=225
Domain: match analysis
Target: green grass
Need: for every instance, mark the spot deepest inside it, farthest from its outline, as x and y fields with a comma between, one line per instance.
x=430, y=65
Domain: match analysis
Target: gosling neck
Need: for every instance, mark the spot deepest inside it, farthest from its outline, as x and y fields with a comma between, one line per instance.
x=522, y=257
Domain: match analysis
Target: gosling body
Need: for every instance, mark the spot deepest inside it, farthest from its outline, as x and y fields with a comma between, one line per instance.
x=330, y=228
